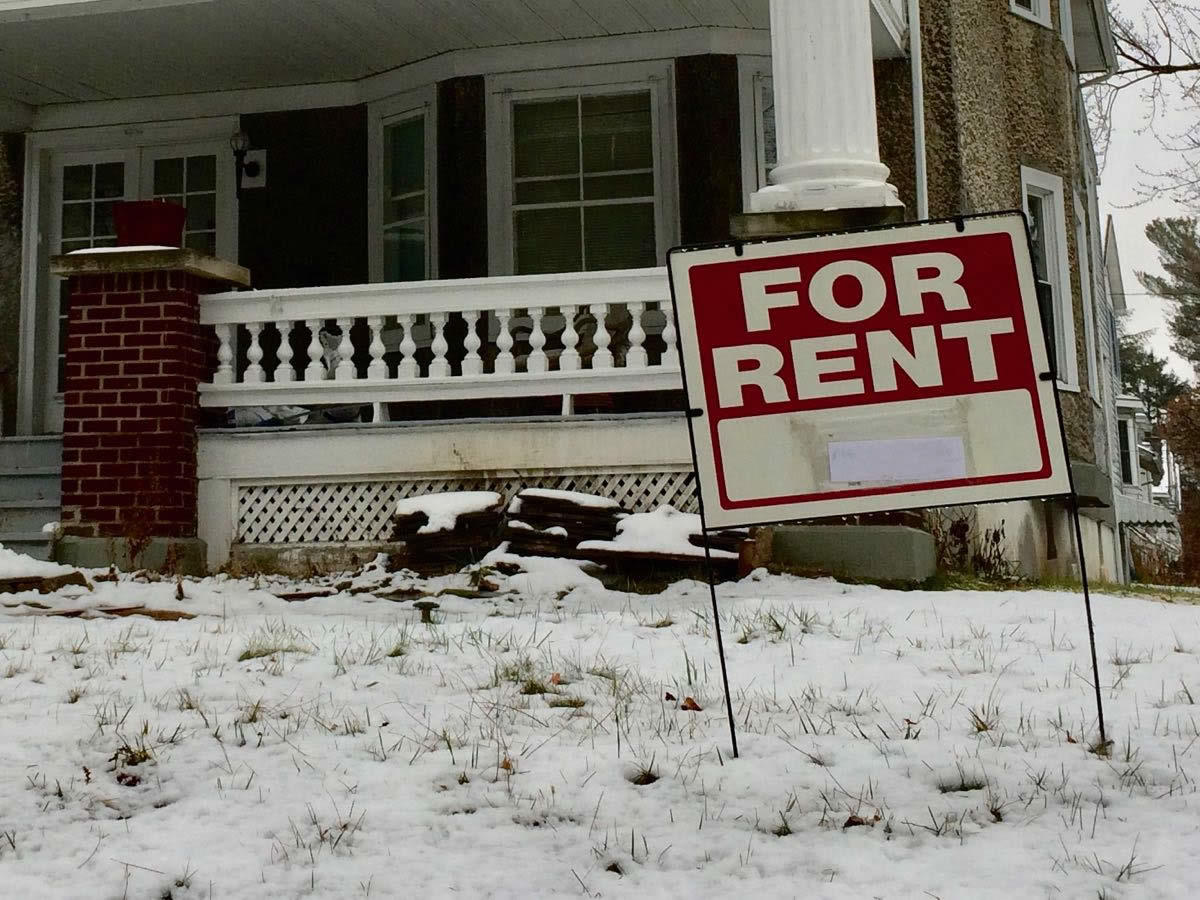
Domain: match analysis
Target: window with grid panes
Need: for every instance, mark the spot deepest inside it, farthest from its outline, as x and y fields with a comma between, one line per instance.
x=405, y=201
x=89, y=192
x=584, y=193
x=192, y=183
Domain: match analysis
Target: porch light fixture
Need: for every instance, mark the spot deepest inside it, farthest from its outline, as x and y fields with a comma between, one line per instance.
x=239, y=143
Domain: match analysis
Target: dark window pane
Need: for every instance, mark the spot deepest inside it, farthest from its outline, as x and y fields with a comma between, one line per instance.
x=412, y=207
x=620, y=237
x=404, y=162
x=546, y=138
x=201, y=212
x=77, y=182
x=614, y=187
x=110, y=180
x=547, y=240
x=103, y=220
x=76, y=220
x=617, y=133
x=404, y=252
x=1037, y=233
x=72, y=246
x=201, y=173
x=202, y=242
x=168, y=176
x=556, y=191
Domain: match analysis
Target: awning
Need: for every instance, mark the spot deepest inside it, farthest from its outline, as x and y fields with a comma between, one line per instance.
x=1132, y=511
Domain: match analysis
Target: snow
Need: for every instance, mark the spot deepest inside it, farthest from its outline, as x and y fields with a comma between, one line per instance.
x=444, y=509
x=322, y=765
x=18, y=565
x=666, y=530
x=96, y=251
x=589, y=500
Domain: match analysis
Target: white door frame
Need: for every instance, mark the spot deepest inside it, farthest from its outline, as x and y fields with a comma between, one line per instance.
x=38, y=224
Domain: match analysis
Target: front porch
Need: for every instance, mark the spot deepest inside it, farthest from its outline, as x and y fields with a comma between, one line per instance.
x=510, y=140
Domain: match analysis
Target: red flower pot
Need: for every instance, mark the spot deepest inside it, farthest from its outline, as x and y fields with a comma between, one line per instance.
x=149, y=223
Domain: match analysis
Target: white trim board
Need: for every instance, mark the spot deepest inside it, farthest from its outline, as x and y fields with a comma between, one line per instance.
x=517, y=58
x=32, y=10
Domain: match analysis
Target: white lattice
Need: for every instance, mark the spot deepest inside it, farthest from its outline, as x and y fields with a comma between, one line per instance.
x=341, y=512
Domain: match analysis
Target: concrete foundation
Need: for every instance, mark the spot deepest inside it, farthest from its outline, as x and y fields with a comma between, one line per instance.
x=176, y=556
x=883, y=552
x=306, y=560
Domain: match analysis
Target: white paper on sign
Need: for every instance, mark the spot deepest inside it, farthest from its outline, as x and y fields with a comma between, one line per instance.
x=898, y=461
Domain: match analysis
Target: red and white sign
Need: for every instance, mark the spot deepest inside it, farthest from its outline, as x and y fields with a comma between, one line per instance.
x=866, y=372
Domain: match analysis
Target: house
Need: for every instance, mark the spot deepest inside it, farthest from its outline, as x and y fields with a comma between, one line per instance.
x=1141, y=461
x=455, y=218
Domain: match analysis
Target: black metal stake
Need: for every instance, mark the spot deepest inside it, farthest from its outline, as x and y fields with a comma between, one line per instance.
x=712, y=590
x=1087, y=605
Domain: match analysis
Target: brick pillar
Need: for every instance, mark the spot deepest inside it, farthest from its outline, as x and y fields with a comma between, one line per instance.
x=135, y=356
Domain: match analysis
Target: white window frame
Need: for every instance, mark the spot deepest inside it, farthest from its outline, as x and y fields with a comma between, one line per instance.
x=1083, y=252
x=380, y=114
x=1050, y=187
x=1039, y=14
x=506, y=89
x=753, y=71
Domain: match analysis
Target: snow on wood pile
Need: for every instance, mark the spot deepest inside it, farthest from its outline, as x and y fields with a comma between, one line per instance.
x=664, y=536
x=551, y=523
x=19, y=573
x=437, y=528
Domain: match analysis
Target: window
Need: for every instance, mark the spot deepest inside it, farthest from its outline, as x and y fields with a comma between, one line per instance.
x=1043, y=199
x=576, y=165
x=402, y=186
x=583, y=184
x=759, y=145
x=405, y=201
x=191, y=181
x=1034, y=10
x=1126, y=451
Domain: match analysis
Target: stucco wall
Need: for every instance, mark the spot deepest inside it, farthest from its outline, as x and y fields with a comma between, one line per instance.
x=1000, y=95
x=10, y=275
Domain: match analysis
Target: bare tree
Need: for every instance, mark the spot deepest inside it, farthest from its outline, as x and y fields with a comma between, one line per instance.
x=1158, y=56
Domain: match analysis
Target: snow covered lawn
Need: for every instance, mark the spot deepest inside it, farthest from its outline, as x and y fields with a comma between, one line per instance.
x=893, y=744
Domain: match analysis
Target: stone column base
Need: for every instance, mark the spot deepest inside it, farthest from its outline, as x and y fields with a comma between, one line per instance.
x=171, y=556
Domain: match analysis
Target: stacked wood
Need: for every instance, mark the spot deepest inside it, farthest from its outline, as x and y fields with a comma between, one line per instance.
x=553, y=523
x=458, y=538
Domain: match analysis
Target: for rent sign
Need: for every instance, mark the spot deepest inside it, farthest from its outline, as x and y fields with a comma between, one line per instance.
x=866, y=372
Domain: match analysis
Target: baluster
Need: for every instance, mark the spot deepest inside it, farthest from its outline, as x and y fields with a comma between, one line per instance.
x=378, y=368
x=505, y=363
x=408, y=348
x=602, y=358
x=315, y=371
x=635, y=357
x=345, y=368
x=254, y=371
x=569, y=360
x=472, y=364
x=537, y=363
x=285, y=372
x=224, y=373
x=670, y=357
x=439, y=366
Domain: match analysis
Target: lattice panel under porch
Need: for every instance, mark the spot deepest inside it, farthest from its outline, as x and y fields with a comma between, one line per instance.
x=331, y=513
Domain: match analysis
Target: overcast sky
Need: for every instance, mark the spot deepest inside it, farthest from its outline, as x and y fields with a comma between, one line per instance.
x=1119, y=196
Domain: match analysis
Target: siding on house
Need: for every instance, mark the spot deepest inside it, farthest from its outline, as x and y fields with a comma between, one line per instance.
x=308, y=226
x=11, y=166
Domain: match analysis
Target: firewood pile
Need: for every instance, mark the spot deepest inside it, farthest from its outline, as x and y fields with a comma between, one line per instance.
x=554, y=523
x=434, y=538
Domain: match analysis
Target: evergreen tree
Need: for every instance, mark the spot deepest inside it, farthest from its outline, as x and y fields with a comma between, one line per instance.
x=1178, y=247
x=1145, y=375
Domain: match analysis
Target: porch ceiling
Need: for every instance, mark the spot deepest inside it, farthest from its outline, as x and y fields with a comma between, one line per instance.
x=64, y=51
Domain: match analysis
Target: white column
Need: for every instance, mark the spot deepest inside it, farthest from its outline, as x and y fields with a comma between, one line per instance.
x=827, y=136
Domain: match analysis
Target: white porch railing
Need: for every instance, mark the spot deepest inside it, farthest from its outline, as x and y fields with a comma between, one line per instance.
x=523, y=336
